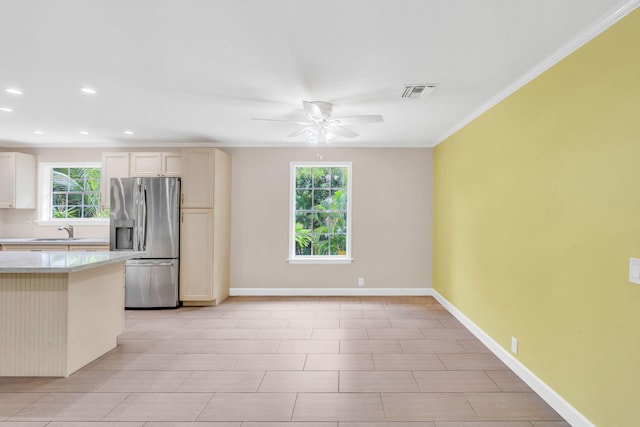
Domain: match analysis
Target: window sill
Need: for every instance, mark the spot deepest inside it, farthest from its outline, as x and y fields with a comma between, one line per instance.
x=319, y=260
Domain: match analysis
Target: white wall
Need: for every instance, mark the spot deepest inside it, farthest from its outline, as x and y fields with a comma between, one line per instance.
x=392, y=219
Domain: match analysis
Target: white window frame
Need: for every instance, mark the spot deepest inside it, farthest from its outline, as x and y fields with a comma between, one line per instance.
x=318, y=259
x=44, y=195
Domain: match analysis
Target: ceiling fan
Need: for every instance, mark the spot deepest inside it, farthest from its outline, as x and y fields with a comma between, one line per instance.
x=321, y=127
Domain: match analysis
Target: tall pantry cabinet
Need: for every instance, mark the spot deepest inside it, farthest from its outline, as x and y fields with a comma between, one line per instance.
x=205, y=238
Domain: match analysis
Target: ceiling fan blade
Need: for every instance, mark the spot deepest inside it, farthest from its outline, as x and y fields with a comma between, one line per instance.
x=312, y=109
x=342, y=131
x=298, y=132
x=285, y=121
x=373, y=118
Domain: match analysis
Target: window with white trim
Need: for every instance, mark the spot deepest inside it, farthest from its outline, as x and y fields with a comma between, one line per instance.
x=70, y=192
x=320, y=214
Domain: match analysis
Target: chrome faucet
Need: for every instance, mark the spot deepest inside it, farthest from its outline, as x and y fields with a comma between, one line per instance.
x=69, y=229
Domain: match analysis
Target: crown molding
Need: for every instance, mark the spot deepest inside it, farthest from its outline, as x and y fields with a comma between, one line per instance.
x=582, y=38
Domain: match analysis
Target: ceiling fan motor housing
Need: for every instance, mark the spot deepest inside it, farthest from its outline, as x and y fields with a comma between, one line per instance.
x=326, y=108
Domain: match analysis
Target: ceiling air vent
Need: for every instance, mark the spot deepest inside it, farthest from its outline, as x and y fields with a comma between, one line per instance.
x=418, y=90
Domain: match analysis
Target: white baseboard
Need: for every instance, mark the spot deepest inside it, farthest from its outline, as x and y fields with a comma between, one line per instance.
x=316, y=292
x=564, y=408
x=561, y=406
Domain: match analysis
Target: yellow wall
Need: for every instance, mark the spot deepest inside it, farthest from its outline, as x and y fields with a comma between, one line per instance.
x=536, y=213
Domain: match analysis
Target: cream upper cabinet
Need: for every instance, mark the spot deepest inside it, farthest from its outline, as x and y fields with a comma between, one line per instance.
x=17, y=181
x=198, y=166
x=155, y=164
x=114, y=165
x=171, y=164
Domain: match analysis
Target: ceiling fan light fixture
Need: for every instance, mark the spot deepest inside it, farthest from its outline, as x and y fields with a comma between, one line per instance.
x=321, y=127
x=312, y=135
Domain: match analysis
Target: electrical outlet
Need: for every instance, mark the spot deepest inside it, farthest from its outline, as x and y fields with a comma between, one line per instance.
x=514, y=345
x=360, y=281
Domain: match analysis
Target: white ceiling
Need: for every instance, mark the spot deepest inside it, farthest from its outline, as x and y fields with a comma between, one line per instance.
x=180, y=72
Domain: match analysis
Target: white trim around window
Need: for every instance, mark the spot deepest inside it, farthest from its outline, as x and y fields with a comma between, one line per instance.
x=294, y=258
x=44, y=195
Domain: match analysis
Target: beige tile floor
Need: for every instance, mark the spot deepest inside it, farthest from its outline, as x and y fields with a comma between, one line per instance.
x=276, y=362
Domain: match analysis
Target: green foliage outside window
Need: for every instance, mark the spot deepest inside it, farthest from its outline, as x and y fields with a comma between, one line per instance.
x=75, y=193
x=321, y=210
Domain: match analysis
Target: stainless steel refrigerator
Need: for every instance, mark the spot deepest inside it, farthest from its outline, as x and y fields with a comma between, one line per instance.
x=145, y=216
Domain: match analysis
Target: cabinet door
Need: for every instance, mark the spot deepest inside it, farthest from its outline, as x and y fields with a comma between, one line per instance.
x=114, y=165
x=171, y=164
x=7, y=180
x=25, y=181
x=145, y=164
x=196, y=255
x=17, y=181
x=198, y=177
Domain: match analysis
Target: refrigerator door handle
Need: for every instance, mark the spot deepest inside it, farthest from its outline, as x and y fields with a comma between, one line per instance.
x=151, y=264
x=143, y=226
x=138, y=214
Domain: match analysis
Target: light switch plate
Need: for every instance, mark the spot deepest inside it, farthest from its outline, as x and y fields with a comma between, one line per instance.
x=634, y=270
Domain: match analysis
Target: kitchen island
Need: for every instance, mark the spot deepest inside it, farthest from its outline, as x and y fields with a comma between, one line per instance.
x=59, y=310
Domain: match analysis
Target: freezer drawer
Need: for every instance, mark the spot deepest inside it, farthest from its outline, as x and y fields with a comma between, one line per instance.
x=151, y=283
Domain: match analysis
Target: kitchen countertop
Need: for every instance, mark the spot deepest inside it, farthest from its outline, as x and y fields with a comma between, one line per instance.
x=53, y=241
x=59, y=262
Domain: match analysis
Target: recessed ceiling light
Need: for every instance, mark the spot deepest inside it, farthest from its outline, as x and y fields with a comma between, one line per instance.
x=38, y=132
x=128, y=132
x=84, y=132
x=6, y=109
x=88, y=90
x=13, y=91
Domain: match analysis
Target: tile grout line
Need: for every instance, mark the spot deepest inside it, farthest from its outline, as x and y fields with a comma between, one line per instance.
x=115, y=407
x=204, y=407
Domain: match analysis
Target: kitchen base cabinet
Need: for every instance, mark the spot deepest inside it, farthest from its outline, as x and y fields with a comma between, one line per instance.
x=205, y=239
x=88, y=248
x=56, y=248
x=52, y=324
x=36, y=248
